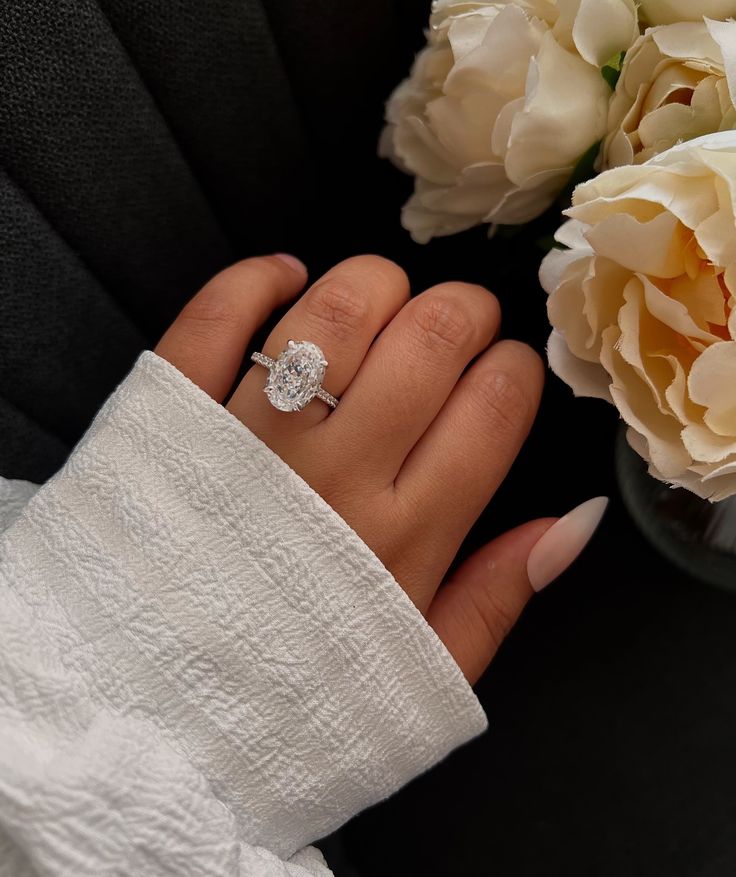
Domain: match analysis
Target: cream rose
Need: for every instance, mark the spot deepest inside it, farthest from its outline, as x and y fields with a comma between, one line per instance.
x=643, y=307
x=500, y=106
x=670, y=11
x=678, y=82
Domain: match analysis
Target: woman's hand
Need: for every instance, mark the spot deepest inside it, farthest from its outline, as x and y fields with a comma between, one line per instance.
x=419, y=442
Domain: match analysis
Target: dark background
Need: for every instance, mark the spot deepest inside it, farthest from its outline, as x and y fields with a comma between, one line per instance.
x=143, y=146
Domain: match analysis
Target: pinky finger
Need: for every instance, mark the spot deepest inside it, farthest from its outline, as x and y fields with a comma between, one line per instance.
x=478, y=606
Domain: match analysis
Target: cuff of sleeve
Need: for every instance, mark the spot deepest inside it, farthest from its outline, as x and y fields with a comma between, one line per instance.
x=243, y=616
x=14, y=497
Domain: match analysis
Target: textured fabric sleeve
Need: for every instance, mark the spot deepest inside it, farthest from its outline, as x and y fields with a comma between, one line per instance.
x=14, y=496
x=201, y=664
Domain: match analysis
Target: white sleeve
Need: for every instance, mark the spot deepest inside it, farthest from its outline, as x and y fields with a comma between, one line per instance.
x=202, y=667
x=14, y=497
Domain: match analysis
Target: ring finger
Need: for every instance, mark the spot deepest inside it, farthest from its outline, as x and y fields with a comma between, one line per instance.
x=342, y=314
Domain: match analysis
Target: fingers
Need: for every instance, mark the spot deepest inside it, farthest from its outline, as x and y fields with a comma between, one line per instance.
x=342, y=313
x=411, y=370
x=466, y=453
x=209, y=338
x=483, y=600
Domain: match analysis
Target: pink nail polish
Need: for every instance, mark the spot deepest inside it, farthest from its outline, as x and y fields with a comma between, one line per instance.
x=292, y=261
x=563, y=542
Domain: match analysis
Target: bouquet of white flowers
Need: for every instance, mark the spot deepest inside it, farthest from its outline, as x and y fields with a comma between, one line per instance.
x=503, y=105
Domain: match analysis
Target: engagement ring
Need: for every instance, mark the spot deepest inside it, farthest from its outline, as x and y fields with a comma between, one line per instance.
x=295, y=377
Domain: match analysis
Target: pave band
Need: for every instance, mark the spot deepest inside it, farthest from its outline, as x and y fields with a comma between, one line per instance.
x=295, y=377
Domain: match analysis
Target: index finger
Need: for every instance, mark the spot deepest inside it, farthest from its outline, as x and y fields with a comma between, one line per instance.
x=208, y=340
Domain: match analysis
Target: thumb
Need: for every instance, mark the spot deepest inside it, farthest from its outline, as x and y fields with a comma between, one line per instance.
x=477, y=607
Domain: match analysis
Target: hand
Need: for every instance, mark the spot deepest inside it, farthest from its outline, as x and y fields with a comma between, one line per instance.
x=431, y=417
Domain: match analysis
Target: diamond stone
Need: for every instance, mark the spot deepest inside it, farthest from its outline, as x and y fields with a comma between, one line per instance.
x=296, y=376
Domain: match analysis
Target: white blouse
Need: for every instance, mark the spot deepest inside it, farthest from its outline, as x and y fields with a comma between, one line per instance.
x=203, y=669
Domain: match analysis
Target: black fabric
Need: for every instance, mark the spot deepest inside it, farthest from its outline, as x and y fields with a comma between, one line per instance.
x=28, y=444
x=54, y=315
x=217, y=78
x=81, y=135
x=143, y=146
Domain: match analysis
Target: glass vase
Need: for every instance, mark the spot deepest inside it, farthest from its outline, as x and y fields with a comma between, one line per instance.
x=696, y=535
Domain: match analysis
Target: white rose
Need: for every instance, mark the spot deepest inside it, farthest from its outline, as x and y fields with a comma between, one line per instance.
x=643, y=307
x=670, y=11
x=678, y=82
x=500, y=106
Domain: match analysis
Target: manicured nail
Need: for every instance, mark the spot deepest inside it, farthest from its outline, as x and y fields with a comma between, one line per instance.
x=563, y=542
x=292, y=261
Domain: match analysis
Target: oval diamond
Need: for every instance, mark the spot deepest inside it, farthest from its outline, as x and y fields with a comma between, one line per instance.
x=296, y=376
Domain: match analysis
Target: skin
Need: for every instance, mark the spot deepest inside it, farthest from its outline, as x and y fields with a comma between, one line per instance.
x=433, y=412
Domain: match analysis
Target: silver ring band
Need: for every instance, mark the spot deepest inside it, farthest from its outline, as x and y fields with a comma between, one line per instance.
x=295, y=378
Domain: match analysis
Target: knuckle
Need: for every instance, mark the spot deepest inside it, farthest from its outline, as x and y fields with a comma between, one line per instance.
x=443, y=325
x=237, y=275
x=338, y=305
x=467, y=290
x=377, y=266
x=242, y=277
x=482, y=301
x=526, y=356
x=504, y=398
x=208, y=315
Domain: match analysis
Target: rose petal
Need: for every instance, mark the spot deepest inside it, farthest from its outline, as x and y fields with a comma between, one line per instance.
x=555, y=264
x=676, y=394
x=585, y=378
x=673, y=313
x=704, y=445
x=572, y=234
x=702, y=297
x=566, y=109
x=634, y=402
x=598, y=44
x=686, y=39
x=521, y=205
x=688, y=192
x=712, y=384
x=500, y=63
x=668, y=11
x=724, y=35
x=601, y=309
x=654, y=247
x=439, y=210
x=567, y=299
x=634, y=345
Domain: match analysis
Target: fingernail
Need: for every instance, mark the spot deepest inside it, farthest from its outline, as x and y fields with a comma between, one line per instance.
x=293, y=263
x=563, y=542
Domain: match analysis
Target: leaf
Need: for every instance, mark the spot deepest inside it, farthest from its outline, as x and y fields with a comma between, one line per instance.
x=611, y=70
